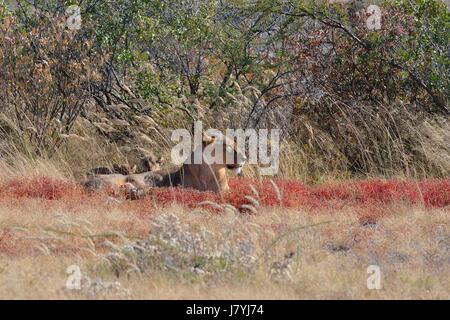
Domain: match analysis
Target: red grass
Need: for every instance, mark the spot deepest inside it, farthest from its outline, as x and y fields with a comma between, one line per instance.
x=368, y=199
x=39, y=187
x=362, y=193
x=431, y=193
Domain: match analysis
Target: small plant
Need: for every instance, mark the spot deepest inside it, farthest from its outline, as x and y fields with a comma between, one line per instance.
x=179, y=248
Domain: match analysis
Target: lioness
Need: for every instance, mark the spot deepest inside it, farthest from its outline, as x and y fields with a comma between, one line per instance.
x=203, y=177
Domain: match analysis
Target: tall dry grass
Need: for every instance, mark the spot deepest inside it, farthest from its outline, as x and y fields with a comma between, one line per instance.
x=332, y=141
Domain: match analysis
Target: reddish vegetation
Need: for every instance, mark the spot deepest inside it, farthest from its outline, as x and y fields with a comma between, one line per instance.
x=40, y=187
x=369, y=199
x=431, y=193
x=363, y=193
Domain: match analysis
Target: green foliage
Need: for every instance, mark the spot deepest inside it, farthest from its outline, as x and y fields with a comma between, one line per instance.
x=266, y=63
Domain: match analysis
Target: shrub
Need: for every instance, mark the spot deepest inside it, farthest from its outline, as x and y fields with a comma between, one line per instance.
x=46, y=71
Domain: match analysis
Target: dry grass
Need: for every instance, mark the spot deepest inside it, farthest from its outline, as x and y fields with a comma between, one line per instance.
x=296, y=253
x=287, y=241
x=393, y=144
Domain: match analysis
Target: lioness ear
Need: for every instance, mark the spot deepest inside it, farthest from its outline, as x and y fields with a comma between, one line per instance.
x=208, y=139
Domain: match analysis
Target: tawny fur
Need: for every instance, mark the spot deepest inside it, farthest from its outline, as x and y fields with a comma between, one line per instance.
x=202, y=177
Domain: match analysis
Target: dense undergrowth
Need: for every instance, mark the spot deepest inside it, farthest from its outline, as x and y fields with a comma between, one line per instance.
x=249, y=194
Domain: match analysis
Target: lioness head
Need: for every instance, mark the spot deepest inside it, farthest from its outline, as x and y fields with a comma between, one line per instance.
x=221, y=151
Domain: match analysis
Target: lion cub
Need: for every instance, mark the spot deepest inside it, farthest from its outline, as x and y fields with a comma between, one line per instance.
x=119, y=176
